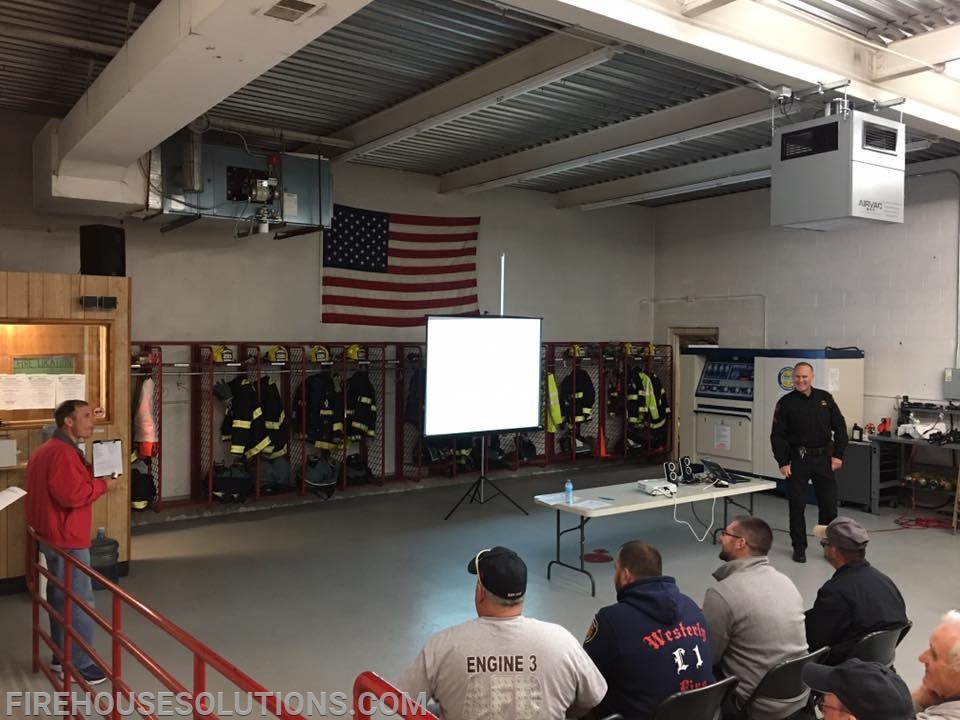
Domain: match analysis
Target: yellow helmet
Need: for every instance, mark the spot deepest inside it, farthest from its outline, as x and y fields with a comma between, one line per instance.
x=354, y=352
x=575, y=351
x=318, y=354
x=628, y=348
x=222, y=354
x=278, y=353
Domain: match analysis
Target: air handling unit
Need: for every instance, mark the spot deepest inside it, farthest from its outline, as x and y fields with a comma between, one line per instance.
x=838, y=170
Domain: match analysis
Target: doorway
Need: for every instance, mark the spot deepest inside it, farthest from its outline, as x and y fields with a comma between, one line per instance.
x=680, y=338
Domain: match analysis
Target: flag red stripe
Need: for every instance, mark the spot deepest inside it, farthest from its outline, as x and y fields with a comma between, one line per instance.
x=459, y=252
x=398, y=304
x=349, y=319
x=396, y=286
x=433, y=221
x=430, y=270
x=430, y=238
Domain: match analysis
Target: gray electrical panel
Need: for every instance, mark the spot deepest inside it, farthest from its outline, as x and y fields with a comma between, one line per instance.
x=951, y=384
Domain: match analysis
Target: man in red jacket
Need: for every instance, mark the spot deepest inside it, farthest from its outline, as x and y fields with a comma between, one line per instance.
x=60, y=494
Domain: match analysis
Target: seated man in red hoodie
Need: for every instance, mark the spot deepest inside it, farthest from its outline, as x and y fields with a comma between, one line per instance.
x=652, y=643
x=60, y=492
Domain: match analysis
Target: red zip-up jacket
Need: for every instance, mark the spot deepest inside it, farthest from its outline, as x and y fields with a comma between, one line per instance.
x=60, y=492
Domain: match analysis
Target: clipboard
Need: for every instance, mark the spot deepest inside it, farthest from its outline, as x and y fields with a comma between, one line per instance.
x=107, y=458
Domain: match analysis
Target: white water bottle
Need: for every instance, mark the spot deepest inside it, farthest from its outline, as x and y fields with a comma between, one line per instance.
x=568, y=491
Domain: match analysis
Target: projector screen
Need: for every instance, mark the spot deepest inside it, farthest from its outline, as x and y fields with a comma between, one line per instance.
x=483, y=374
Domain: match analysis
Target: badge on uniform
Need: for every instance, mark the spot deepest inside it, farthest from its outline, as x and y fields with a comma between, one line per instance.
x=591, y=631
x=823, y=402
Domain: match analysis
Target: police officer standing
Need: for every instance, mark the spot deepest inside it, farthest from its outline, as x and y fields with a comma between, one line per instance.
x=809, y=437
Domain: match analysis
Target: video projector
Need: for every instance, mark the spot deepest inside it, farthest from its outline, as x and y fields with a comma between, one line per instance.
x=657, y=486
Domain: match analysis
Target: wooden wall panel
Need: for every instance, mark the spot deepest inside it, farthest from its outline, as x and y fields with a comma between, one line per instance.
x=35, y=299
x=16, y=535
x=58, y=299
x=5, y=482
x=18, y=290
x=3, y=294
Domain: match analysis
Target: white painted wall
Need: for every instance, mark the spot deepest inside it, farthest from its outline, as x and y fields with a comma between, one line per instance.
x=582, y=272
x=889, y=289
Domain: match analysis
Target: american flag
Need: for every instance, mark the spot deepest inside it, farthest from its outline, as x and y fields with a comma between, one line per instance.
x=392, y=270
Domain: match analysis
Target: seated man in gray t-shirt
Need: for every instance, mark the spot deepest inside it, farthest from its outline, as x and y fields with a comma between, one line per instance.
x=503, y=665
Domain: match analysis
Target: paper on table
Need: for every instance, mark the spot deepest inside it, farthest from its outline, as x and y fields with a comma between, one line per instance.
x=593, y=504
x=556, y=499
x=10, y=496
x=107, y=457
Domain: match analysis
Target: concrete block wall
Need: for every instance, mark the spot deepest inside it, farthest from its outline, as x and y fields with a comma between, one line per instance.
x=889, y=289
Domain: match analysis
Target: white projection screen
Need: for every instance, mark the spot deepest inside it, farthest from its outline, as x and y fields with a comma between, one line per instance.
x=483, y=374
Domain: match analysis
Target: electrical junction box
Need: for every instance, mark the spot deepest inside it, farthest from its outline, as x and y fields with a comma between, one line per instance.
x=951, y=383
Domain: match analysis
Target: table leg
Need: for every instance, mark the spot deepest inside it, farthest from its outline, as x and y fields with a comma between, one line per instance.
x=582, y=569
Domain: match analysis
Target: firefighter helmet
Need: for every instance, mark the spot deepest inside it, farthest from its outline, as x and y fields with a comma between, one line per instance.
x=576, y=351
x=355, y=352
x=278, y=353
x=318, y=354
x=628, y=349
x=221, y=354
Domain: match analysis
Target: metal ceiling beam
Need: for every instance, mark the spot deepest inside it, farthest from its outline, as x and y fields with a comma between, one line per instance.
x=621, y=192
x=693, y=8
x=540, y=63
x=770, y=43
x=725, y=111
x=917, y=54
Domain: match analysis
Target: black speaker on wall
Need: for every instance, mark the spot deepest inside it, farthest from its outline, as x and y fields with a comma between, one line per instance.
x=103, y=250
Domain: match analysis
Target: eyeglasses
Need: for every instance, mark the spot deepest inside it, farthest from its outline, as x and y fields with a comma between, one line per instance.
x=730, y=534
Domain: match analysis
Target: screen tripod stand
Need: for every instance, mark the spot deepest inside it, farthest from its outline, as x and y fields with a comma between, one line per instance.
x=475, y=491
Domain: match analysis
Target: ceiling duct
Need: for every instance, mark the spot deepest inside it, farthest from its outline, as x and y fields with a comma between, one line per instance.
x=838, y=170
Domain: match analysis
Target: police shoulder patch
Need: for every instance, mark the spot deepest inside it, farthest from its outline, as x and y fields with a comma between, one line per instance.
x=591, y=631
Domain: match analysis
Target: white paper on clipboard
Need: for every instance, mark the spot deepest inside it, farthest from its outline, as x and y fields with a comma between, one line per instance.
x=107, y=457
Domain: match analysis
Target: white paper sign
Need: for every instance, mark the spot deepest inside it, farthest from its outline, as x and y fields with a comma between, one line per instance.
x=833, y=384
x=107, y=457
x=71, y=387
x=13, y=391
x=10, y=496
x=40, y=392
x=721, y=437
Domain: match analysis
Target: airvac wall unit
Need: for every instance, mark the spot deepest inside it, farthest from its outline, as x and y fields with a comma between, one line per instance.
x=838, y=170
x=257, y=192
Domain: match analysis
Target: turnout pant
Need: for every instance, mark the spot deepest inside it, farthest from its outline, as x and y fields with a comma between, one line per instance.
x=824, y=485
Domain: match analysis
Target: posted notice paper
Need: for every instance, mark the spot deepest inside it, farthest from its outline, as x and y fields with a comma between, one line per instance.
x=107, y=457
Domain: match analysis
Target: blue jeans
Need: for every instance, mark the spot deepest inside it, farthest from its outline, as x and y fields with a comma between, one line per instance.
x=80, y=621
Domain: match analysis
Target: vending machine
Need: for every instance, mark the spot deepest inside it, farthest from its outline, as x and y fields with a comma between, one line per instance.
x=726, y=399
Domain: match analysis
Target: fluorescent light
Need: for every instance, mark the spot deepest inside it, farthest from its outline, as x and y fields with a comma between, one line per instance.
x=917, y=145
x=952, y=68
x=680, y=190
x=548, y=77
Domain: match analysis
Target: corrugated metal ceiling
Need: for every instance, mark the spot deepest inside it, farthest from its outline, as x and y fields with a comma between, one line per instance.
x=630, y=85
x=883, y=21
x=385, y=53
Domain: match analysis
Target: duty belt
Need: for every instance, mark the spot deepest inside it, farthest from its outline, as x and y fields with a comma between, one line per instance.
x=803, y=451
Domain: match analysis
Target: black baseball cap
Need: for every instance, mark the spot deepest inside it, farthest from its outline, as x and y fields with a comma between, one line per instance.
x=869, y=690
x=502, y=572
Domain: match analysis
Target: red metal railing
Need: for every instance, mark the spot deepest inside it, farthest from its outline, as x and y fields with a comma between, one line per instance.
x=371, y=691
x=203, y=656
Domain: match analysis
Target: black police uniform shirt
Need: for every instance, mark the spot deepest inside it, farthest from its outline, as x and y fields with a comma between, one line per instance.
x=807, y=421
x=651, y=644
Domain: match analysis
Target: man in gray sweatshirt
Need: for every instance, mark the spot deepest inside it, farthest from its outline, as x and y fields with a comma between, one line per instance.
x=754, y=614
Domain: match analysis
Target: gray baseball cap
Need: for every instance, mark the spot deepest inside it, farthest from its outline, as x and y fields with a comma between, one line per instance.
x=844, y=533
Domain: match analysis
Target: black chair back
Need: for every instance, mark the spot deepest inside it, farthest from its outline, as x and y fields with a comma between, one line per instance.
x=784, y=681
x=881, y=646
x=700, y=704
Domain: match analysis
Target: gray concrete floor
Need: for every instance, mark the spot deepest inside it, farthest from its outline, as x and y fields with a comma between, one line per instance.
x=305, y=598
